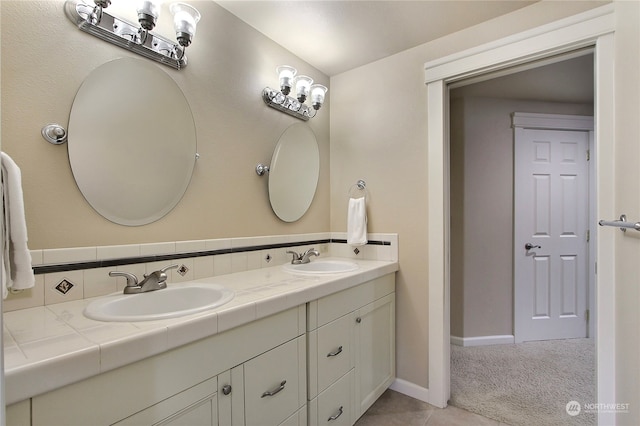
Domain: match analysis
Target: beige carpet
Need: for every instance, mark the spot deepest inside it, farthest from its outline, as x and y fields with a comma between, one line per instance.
x=526, y=384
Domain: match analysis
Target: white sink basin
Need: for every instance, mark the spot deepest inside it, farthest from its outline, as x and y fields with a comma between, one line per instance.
x=321, y=267
x=170, y=302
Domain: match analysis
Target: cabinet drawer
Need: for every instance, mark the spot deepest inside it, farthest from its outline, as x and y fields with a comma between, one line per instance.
x=335, y=404
x=272, y=384
x=195, y=406
x=334, y=350
x=338, y=304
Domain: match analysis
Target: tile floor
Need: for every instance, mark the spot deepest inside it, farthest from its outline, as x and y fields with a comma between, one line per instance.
x=396, y=409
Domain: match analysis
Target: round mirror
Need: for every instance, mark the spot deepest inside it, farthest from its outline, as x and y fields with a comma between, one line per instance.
x=293, y=173
x=132, y=141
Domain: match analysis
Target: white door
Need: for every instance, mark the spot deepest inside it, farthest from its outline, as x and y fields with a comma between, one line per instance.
x=551, y=210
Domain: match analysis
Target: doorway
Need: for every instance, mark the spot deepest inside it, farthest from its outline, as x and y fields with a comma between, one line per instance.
x=486, y=256
x=517, y=178
x=593, y=28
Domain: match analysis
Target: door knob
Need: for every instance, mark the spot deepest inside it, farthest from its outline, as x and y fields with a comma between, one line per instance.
x=530, y=246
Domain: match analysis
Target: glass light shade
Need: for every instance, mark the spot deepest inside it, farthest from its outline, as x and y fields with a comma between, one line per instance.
x=285, y=75
x=185, y=19
x=303, y=85
x=317, y=95
x=148, y=12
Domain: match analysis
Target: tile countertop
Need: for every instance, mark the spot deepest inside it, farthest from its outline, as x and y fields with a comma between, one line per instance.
x=47, y=347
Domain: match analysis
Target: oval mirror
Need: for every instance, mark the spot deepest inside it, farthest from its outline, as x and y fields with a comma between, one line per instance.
x=293, y=173
x=131, y=141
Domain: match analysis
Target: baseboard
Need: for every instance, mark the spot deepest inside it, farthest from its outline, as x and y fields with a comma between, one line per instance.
x=410, y=389
x=482, y=340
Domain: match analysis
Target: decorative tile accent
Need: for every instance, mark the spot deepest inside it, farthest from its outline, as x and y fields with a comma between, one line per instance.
x=267, y=258
x=356, y=251
x=182, y=270
x=64, y=286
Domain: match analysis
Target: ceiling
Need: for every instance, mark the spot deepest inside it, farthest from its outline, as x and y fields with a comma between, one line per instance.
x=338, y=35
x=335, y=36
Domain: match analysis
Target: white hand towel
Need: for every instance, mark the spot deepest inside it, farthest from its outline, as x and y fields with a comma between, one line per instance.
x=17, y=272
x=357, y=222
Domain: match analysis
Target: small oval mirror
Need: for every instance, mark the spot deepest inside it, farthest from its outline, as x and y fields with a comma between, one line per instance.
x=293, y=173
x=131, y=141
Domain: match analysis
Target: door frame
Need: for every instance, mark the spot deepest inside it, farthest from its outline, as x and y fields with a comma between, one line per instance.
x=579, y=123
x=594, y=28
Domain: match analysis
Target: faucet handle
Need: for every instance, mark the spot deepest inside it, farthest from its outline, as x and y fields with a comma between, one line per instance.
x=296, y=256
x=161, y=274
x=168, y=267
x=132, y=280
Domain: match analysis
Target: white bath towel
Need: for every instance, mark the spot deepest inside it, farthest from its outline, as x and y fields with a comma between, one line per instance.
x=17, y=272
x=357, y=222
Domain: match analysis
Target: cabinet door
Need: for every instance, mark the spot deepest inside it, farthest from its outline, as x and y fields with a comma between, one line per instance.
x=375, y=364
x=273, y=385
x=19, y=414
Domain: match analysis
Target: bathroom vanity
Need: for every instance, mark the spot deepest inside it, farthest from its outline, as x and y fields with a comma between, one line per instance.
x=319, y=352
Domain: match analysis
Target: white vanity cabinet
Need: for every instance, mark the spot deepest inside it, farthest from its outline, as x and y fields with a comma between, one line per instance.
x=323, y=362
x=351, y=351
x=187, y=385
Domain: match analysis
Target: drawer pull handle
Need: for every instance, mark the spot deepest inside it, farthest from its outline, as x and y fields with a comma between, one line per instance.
x=335, y=353
x=358, y=320
x=335, y=416
x=226, y=389
x=275, y=391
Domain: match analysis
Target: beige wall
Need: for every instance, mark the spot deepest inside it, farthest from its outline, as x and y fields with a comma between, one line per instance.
x=482, y=211
x=378, y=133
x=44, y=61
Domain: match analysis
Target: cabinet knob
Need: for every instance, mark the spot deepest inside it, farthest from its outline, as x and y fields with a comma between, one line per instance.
x=358, y=320
x=226, y=389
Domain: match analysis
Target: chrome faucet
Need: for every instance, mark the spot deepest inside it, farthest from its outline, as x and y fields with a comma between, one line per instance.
x=153, y=281
x=303, y=257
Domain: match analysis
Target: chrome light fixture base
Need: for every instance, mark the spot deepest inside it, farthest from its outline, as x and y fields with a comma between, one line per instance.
x=125, y=34
x=287, y=104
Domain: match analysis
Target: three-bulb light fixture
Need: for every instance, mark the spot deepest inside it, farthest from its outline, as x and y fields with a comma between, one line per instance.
x=304, y=88
x=94, y=20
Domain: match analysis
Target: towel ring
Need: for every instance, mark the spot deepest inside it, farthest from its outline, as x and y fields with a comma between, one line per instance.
x=360, y=186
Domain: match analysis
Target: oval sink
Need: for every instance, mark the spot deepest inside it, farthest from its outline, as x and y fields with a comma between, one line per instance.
x=321, y=267
x=170, y=302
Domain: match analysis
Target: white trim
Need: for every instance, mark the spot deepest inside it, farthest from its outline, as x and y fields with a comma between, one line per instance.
x=410, y=389
x=591, y=28
x=506, y=339
x=564, y=35
x=530, y=120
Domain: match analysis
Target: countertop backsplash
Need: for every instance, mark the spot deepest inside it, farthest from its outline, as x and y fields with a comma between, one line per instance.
x=68, y=274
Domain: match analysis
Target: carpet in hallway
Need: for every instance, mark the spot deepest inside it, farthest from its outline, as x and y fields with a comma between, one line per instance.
x=526, y=384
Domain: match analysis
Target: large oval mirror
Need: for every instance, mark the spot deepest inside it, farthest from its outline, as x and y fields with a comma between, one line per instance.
x=132, y=141
x=293, y=173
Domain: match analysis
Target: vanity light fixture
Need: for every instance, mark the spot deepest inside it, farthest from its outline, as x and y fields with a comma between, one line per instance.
x=303, y=87
x=92, y=19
